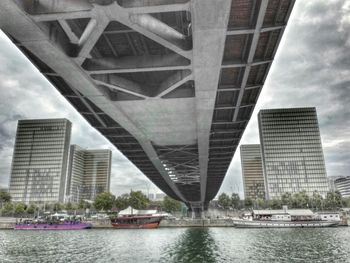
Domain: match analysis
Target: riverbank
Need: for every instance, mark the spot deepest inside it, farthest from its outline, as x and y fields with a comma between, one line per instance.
x=197, y=223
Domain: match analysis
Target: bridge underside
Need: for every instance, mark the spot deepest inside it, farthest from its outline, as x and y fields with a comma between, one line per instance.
x=171, y=83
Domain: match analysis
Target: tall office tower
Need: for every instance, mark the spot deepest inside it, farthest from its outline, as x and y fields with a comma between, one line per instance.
x=342, y=184
x=89, y=173
x=252, y=171
x=291, y=152
x=39, y=164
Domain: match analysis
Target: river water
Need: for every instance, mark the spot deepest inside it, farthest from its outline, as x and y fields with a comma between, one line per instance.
x=177, y=245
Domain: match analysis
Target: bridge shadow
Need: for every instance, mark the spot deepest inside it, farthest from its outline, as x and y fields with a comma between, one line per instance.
x=194, y=245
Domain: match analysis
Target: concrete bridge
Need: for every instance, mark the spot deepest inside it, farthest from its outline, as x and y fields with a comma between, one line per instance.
x=171, y=83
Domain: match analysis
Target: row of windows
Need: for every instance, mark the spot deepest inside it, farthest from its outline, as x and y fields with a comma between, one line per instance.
x=290, y=188
x=274, y=136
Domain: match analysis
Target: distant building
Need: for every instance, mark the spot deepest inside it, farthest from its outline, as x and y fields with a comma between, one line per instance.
x=151, y=196
x=342, y=184
x=331, y=184
x=292, y=152
x=156, y=197
x=39, y=164
x=89, y=173
x=160, y=196
x=252, y=171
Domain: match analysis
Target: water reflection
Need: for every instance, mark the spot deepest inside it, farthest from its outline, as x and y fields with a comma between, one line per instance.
x=299, y=245
x=194, y=245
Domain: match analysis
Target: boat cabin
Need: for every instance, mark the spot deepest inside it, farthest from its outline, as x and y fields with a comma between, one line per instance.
x=328, y=216
x=283, y=215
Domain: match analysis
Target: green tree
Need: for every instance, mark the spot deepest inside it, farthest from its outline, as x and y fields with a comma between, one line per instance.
x=31, y=209
x=84, y=205
x=248, y=202
x=122, y=202
x=104, y=201
x=158, y=204
x=300, y=200
x=68, y=206
x=346, y=201
x=47, y=206
x=275, y=204
x=8, y=209
x=5, y=197
x=138, y=200
x=20, y=208
x=286, y=199
x=224, y=201
x=259, y=203
x=317, y=200
x=56, y=207
x=171, y=205
x=333, y=200
x=235, y=201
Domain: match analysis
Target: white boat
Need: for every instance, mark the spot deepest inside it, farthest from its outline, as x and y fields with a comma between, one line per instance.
x=282, y=224
x=285, y=218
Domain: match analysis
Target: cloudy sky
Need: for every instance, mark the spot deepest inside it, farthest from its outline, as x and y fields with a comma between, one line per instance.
x=311, y=68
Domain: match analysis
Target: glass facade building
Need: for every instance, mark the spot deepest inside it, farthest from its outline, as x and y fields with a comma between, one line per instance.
x=89, y=173
x=39, y=164
x=252, y=171
x=292, y=152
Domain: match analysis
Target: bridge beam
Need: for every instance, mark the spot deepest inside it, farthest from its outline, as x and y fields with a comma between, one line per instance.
x=210, y=19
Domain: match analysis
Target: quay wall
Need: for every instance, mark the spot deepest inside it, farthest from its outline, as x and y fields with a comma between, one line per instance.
x=197, y=223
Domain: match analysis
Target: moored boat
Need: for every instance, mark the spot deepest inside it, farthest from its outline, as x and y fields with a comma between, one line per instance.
x=30, y=225
x=282, y=224
x=53, y=222
x=285, y=218
x=131, y=219
x=135, y=221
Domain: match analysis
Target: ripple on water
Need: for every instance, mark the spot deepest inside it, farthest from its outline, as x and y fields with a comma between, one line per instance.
x=177, y=245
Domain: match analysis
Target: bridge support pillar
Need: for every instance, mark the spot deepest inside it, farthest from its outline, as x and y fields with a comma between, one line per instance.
x=198, y=213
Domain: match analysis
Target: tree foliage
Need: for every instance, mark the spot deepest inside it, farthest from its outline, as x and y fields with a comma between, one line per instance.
x=224, y=201
x=84, y=205
x=31, y=209
x=316, y=201
x=8, y=209
x=122, y=202
x=171, y=205
x=20, y=208
x=5, y=197
x=248, y=202
x=275, y=204
x=333, y=200
x=235, y=200
x=138, y=200
x=104, y=201
x=259, y=203
x=56, y=207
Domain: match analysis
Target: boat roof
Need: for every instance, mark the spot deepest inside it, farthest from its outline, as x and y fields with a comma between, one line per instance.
x=327, y=212
x=133, y=211
x=292, y=212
